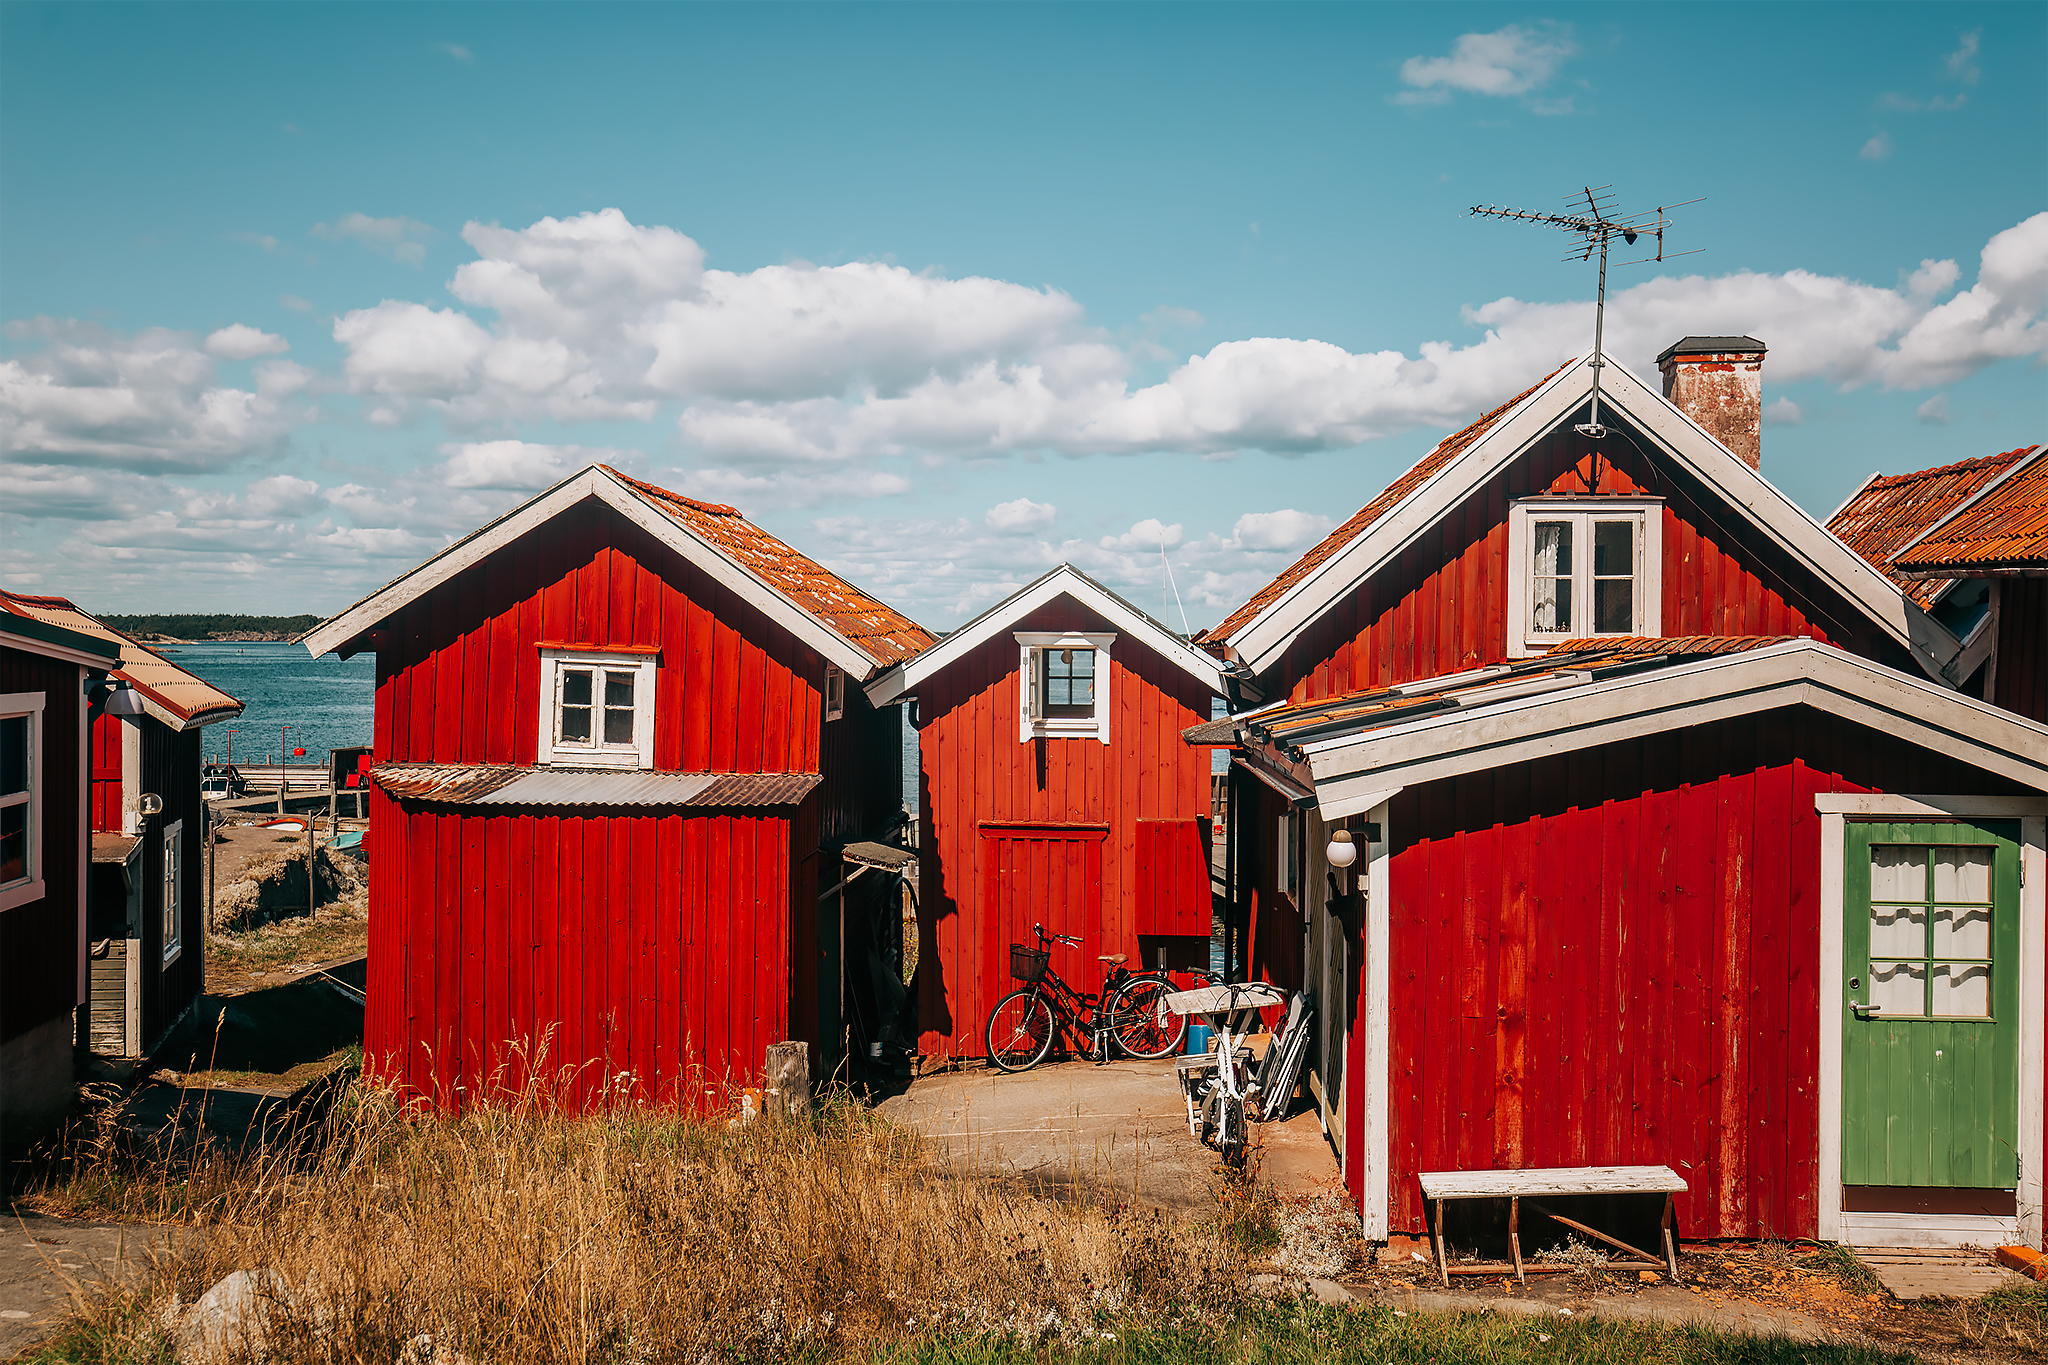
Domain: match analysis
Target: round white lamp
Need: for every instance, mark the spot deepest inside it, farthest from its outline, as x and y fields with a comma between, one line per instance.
x=1341, y=852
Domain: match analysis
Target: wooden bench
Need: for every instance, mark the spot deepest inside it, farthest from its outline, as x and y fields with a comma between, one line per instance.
x=1515, y=1186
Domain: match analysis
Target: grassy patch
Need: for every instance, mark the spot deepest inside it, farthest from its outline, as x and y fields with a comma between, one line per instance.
x=238, y=957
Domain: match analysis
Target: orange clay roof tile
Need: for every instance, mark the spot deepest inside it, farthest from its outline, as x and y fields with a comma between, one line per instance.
x=2006, y=528
x=1889, y=513
x=877, y=630
x=1395, y=493
x=184, y=696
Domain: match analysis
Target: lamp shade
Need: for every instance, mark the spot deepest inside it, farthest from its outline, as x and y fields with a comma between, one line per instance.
x=1341, y=852
x=124, y=701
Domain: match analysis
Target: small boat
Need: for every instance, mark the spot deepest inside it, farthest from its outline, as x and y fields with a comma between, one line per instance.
x=291, y=824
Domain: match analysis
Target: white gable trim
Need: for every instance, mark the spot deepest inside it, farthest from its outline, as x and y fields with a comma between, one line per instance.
x=590, y=482
x=1802, y=672
x=1065, y=580
x=1678, y=437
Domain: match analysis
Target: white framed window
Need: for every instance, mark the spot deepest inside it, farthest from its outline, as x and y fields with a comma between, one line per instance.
x=1063, y=685
x=1581, y=567
x=21, y=790
x=835, y=692
x=596, y=708
x=174, y=898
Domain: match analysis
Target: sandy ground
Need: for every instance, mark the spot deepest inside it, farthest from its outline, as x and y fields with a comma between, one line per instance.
x=47, y=1264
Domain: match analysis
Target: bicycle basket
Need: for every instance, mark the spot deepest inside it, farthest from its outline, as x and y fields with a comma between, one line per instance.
x=1028, y=964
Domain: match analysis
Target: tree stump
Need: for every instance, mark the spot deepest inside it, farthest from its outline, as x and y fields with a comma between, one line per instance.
x=786, y=1091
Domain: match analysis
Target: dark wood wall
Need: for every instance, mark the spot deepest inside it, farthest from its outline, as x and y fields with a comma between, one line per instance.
x=2022, y=681
x=39, y=957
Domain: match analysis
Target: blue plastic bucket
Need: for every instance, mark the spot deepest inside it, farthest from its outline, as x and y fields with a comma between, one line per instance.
x=1198, y=1038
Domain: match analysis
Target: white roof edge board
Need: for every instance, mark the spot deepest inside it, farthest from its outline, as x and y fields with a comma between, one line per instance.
x=1360, y=802
x=1062, y=580
x=1677, y=436
x=1445, y=744
x=588, y=482
x=1868, y=479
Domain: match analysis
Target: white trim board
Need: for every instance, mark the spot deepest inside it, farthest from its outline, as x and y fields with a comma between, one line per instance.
x=1796, y=673
x=1896, y=1229
x=1376, y=1185
x=1063, y=580
x=608, y=488
x=1674, y=435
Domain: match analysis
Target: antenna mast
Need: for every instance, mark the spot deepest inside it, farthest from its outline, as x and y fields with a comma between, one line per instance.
x=1591, y=214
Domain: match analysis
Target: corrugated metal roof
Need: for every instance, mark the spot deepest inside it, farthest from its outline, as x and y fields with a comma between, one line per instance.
x=876, y=629
x=494, y=785
x=1892, y=511
x=2005, y=528
x=1569, y=664
x=179, y=699
x=1395, y=493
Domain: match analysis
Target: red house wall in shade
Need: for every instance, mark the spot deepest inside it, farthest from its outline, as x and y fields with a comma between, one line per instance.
x=2021, y=684
x=1610, y=958
x=994, y=804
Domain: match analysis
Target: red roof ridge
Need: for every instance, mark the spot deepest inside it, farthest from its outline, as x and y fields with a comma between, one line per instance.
x=716, y=509
x=1938, y=471
x=1390, y=497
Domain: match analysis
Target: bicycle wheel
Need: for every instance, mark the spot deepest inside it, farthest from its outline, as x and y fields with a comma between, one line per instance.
x=1019, y=1032
x=1140, y=1021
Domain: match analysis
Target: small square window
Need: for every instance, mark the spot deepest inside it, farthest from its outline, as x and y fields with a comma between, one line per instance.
x=1063, y=685
x=1582, y=567
x=1069, y=682
x=597, y=710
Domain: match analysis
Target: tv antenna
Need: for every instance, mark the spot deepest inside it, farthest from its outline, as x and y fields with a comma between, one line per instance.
x=1591, y=214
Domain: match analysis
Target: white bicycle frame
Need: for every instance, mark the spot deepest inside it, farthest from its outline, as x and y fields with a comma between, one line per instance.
x=1232, y=1013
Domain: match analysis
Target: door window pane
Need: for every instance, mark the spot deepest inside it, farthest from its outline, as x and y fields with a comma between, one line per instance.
x=1551, y=578
x=1962, y=875
x=1962, y=990
x=618, y=708
x=1898, y=931
x=1962, y=931
x=1898, y=872
x=1898, y=988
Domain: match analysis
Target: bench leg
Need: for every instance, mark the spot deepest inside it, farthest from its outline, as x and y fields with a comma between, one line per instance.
x=1670, y=1246
x=1443, y=1263
x=1515, y=1235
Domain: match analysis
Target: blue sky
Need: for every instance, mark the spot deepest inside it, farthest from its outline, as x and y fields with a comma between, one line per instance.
x=294, y=294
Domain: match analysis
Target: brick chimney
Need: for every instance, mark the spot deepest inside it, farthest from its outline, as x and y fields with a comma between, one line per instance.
x=1719, y=383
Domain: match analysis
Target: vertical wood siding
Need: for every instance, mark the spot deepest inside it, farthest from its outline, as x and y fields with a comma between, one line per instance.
x=2022, y=681
x=39, y=960
x=1610, y=957
x=106, y=775
x=975, y=772
x=170, y=768
x=1175, y=898
x=1441, y=606
x=647, y=952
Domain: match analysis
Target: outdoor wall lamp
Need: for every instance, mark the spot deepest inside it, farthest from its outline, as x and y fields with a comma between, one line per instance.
x=112, y=697
x=1341, y=852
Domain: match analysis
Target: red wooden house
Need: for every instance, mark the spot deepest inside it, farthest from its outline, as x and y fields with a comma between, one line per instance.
x=616, y=758
x=46, y=673
x=1054, y=789
x=1678, y=846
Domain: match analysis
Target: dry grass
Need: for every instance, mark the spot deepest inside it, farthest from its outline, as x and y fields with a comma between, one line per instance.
x=521, y=1234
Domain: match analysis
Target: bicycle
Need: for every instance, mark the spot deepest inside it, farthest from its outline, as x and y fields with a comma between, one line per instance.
x=1132, y=1012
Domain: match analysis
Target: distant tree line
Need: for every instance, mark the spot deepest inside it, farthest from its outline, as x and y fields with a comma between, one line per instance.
x=194, y=627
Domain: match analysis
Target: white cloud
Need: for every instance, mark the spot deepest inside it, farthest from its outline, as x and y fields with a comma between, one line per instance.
x=1962, y=63
x=521, y=466
x=237, y=341
x=1933, y=104
x=295, y=303
x=1509, y=61
x=458, y=52
x=1286, y=529
x=402, y=239
x=1783, y=413
x=1934, y=412
x=1878, y=148
x=1020, y=515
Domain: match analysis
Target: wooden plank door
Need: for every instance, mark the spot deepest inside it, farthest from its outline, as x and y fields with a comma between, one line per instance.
x=1048, y=876
x=1930, y=1027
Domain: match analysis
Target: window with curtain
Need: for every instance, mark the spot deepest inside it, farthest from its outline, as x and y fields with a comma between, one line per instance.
x=1584, y=567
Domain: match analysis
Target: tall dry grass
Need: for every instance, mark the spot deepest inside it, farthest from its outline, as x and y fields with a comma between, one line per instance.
x=518, y=1233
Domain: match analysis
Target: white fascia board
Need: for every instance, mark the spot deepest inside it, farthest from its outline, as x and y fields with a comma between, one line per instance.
x=30, y=644
x=1269, y=635
x=587, y=483
x=1797, y=673
x=1678, y=437
x=1358, y=801
x=1065, y=580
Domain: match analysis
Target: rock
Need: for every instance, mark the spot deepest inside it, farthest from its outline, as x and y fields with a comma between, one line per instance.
x=230, y=1320
x=1329, y=1291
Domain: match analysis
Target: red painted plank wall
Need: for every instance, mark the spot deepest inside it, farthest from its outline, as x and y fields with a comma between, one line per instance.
x=1175, y=898
x=974, y=771
x=1609, y=957
x=106, y=774
x=458, y=670
x=1441, y=606
x=2022, y=681
x=650, y=949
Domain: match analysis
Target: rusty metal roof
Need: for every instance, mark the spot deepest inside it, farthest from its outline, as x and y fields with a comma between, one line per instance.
x=877, y=630
x=497, y=785
x=179, y=699
x=1892, y=511
x=2003, y=529
x=1395, y=493
x=1569, y=664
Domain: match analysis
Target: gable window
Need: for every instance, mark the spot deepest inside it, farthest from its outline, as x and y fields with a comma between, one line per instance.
x=835, y=692
x=21, y=773
x=1063, y=685
x=597, y=709
x=1582, y=567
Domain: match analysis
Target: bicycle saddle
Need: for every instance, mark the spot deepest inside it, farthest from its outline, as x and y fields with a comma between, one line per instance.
x=1114, y=959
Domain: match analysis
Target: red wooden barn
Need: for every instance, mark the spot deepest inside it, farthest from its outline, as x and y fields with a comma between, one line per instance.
x=1678, y=844
x=616, y=759
x=1054, y=789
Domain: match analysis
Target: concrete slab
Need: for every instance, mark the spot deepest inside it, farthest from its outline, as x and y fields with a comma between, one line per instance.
x=1658, y=1303
x=48, y=1264
x=1914, y=1273
x=1296, y=1158
x=1120, y=1127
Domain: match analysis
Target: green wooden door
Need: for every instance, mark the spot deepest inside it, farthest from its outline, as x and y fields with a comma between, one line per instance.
x=1930, y=1019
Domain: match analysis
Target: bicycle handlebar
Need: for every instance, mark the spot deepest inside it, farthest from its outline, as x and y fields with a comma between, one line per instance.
x=1044, y=937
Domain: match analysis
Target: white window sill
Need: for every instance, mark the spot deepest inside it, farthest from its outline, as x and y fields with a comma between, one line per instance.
x=22, y=893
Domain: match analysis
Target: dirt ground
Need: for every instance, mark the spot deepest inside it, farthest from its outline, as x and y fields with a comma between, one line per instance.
x=262, y=934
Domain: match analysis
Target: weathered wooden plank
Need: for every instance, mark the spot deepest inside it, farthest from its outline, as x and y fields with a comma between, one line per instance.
x=1566, y=1180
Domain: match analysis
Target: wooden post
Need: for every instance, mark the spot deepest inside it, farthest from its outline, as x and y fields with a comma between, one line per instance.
x=1670, y=1246
x=1515, y=1234
x=786, y=1091
x=1443, y=1262
x=312, y=876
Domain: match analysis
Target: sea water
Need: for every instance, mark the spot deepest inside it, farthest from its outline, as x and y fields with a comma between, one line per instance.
x=328, y=702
